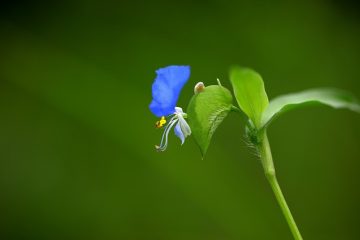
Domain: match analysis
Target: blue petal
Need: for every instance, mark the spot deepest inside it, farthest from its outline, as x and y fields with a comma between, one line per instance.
x=179, y=133
x=166, y=89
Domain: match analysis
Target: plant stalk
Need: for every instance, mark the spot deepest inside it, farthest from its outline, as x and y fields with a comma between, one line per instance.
x=268, y=164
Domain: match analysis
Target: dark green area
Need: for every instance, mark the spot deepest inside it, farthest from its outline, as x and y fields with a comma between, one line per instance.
x=77, y=157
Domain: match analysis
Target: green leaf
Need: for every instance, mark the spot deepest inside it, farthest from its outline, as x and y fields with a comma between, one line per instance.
x=249, y=92
x=332, y=97
x=206, y=110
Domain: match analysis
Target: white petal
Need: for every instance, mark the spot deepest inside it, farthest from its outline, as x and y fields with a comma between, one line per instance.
x=185, y=128
x=179, y=133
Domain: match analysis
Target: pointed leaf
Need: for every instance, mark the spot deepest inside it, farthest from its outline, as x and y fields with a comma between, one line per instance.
x=206, y=110
x=249, y=92
x=331, y=97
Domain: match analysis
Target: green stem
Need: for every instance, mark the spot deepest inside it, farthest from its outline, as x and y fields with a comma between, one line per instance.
x=267, y=162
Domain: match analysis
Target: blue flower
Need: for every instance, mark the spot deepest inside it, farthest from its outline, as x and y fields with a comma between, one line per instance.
x=166, y=89
x=165, y=92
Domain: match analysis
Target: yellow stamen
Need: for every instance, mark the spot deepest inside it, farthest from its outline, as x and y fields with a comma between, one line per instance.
x=161, y=122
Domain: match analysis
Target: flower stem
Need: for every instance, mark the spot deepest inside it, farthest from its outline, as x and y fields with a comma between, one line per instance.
x=267, y=162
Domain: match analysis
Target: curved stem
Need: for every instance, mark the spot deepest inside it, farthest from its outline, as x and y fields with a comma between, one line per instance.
x=267, y=162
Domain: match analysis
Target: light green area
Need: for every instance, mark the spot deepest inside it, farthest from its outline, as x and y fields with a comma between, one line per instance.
x=250, y=92
x=206, y=111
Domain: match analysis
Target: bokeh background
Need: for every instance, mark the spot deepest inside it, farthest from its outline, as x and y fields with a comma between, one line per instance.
x=77, y=158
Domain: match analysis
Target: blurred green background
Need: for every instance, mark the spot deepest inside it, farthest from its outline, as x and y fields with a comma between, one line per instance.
x=77, y=158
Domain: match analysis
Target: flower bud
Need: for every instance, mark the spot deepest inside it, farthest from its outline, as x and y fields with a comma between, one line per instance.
x=199, y=87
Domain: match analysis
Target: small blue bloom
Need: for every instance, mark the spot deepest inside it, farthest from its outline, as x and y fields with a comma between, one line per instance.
x=165, y=91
